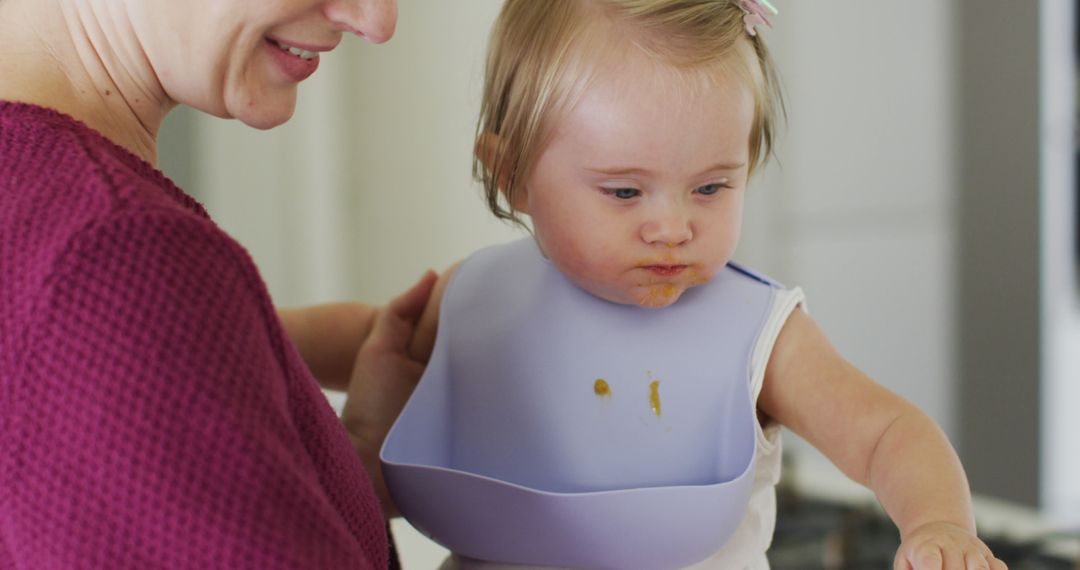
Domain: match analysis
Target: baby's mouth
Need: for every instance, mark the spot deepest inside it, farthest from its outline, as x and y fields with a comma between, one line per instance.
x=665, y=270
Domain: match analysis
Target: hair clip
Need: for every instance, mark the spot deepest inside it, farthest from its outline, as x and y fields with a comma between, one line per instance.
x=757, y=14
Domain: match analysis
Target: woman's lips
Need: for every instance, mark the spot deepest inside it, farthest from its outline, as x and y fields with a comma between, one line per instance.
x=293, y=66
x=665, y=270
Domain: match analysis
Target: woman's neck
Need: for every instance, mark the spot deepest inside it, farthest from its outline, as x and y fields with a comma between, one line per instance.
x=83, y=59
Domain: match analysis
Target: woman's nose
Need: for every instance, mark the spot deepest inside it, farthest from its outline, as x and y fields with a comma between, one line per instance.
x=372, y=19
x=668, y=225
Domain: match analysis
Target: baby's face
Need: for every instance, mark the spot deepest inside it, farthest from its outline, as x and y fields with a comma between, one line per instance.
x=638, y=196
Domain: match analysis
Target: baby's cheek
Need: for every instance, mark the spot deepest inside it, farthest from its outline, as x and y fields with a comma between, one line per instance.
x=698, y=276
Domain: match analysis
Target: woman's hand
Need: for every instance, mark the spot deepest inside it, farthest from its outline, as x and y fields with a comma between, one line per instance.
x=383, y=378
x=944, y=546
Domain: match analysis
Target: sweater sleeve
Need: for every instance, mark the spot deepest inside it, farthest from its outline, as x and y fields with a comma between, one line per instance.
x=152, y=425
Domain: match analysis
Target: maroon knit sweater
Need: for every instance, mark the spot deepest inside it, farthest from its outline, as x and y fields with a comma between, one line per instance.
x=153, y=414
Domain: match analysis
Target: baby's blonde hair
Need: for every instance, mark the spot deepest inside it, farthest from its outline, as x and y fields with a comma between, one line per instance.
x=537, y=65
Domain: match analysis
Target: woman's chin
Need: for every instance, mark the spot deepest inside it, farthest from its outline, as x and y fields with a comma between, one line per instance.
x=265, y=112
x=267, y=120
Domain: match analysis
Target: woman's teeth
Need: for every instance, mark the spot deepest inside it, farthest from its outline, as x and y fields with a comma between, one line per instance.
x=302, y=54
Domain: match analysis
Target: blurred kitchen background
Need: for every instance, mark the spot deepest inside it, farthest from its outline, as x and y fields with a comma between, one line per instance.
x=925, y=198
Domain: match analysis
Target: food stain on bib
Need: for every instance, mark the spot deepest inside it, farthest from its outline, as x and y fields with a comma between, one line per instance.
x=601, y=388
x=654, y=396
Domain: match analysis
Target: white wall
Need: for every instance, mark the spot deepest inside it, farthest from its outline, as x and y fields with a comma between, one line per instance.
x=417, y=100
x=1060, y=303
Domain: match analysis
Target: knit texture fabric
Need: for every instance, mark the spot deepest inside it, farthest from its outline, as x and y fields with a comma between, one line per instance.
x=153, y=413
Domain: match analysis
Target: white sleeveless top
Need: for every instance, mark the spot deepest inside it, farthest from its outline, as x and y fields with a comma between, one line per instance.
x=747, y=546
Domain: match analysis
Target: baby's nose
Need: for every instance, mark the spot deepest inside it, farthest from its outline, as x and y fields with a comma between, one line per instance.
x=670, y=227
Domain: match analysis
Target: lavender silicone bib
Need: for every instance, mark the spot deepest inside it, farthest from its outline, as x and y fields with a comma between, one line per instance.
x=554, y=428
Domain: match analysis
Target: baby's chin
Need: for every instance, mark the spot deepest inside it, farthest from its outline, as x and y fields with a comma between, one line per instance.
x=659, y=296
x=645, y=295
x=648, y=296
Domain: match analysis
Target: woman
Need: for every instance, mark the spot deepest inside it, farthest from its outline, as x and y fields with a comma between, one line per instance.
x=153, y=411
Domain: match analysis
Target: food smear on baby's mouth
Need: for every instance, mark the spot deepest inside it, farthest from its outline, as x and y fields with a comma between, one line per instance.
x=654, y=396
x=601, y=388
x=660, y=295
x=694, y=277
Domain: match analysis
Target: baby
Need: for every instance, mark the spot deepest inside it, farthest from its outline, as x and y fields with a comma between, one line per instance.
x=627, y=132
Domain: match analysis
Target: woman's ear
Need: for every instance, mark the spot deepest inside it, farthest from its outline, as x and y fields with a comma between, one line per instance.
x=487, y=152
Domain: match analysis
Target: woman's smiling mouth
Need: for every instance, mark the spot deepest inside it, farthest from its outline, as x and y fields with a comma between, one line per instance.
x=297, y=63
x=301, y=53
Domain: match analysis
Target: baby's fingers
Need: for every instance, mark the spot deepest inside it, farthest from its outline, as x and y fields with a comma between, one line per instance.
x=925, y=556
x=994, y=563
x=953, y=560
x=945, y=546
x=976, y=561
x=929, y=556
x=983, y=559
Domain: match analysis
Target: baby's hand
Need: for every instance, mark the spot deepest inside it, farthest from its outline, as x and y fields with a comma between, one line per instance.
x=944, y=546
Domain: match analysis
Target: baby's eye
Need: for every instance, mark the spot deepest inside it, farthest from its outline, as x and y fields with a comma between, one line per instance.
x=623, y=193
x=710, y=189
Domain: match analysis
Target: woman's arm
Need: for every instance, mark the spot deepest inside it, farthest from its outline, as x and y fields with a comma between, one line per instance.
x=328, y=337
x=153, y=423
x=879, y=440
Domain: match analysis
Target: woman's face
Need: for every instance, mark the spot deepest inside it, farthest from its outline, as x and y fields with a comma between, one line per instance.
x=243, y=59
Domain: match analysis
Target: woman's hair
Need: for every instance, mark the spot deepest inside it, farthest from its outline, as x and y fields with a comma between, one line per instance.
x=542, y=55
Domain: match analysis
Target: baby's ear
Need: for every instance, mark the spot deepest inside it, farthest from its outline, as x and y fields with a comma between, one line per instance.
x=487, y=152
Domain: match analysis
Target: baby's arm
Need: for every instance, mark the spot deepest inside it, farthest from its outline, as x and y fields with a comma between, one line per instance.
x=881, y=441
